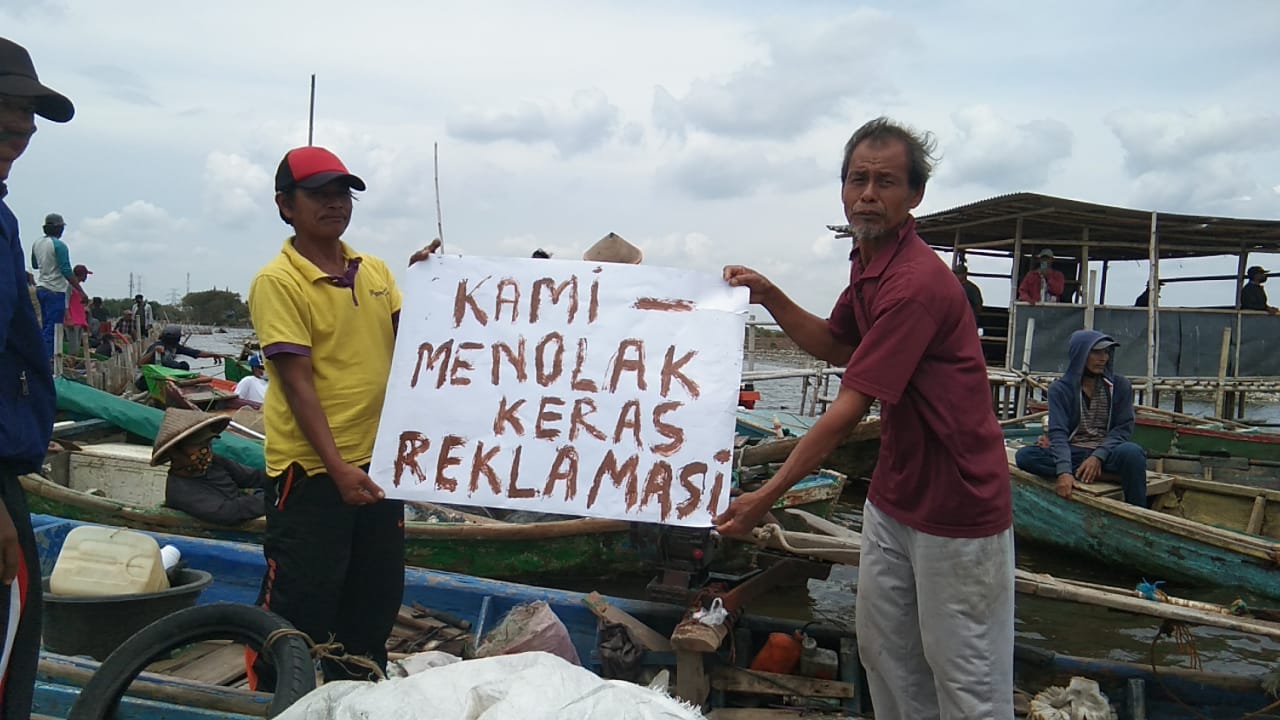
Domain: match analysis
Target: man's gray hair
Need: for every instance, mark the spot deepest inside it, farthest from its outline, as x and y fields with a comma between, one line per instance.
x=921, y=148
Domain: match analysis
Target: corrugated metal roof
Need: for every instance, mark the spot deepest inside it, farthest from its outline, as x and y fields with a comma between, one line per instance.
x=1115, y=233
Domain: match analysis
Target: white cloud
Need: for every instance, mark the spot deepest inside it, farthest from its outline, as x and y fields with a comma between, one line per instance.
x=236, y=190
x=998, y=152
x=808, y=75
x=732, y=172
x=588, y=121
x=1156, y=141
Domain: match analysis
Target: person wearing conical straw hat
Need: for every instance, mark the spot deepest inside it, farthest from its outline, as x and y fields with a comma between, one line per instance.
x=612, y=248
x=201, y=483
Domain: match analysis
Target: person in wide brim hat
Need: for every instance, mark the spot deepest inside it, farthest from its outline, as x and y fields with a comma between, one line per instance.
x=612, y=248
x=185, y=427
x=200, y=483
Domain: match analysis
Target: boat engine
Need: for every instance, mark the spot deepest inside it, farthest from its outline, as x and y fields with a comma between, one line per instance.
x=681, y=555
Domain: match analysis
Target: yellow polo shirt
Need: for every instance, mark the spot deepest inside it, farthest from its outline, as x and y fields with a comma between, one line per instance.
x=346, y=328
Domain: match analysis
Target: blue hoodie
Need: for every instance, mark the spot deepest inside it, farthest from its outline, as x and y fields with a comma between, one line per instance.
x=1064, y=403
x=26, y=384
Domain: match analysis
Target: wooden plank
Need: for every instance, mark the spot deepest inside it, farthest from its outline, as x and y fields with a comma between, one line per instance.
x=692, y=684
x=220, y=667
x=148, y=685
x=190, y=654
x=648, y=638
x=1256, y=515
x=732, y=679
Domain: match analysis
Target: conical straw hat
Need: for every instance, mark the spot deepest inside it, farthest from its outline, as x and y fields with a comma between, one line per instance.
x=612, y=248
x=178, y=425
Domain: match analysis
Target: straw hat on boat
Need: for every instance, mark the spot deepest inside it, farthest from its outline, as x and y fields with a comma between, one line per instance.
x=180, y=425
x=612, y=248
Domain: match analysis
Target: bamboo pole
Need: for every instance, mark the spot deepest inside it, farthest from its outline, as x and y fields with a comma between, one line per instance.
x=1220, y=398
x=1088, y=302
x=1082, y=274
x=1153, y=281
x=1025, y=388
x=1013, y=293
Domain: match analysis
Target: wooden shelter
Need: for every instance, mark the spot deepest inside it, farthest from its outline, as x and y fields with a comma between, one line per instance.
x=1163, y=348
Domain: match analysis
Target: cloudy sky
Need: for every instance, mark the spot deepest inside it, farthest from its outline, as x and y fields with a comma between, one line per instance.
x=706, y=133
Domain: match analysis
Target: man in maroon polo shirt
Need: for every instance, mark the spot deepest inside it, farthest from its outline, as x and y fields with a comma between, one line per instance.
x=935, y=580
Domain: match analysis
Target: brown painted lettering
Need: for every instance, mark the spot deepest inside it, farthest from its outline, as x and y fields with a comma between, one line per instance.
x=628, y=419
x=618, y=475
x=686, y=508
x=545, y=375
x=658, y=484
x=512, y=490
x=516, y=359
x=577, y=382
x=540, y=430
x=507, y=416
x=412, y=444
x=723, y=456
x=582, y=407
x=593, y=305
x=462, y=366
x=464, y=299
x=554, y=291
x=713, y=502
x=564, y=468
x=447, y=460
x=674, y=433
x=671, y=368
x=621, y=363
x=433, y=356
x=480, y=466
x=508, y=294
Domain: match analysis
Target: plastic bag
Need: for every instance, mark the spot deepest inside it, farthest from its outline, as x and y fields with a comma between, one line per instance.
x=528, y=628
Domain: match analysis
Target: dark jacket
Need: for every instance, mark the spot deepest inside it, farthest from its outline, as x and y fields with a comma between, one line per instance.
x=217, y=497
x=1064, y=403
x=1253, y=297
x=26, y=380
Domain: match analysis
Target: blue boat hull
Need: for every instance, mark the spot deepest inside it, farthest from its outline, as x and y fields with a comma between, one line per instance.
x=238, y=570
x=1040, y=515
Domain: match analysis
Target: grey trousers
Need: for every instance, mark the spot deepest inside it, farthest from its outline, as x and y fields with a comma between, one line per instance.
x=935, y=622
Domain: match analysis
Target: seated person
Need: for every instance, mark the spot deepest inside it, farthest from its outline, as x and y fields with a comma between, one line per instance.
x=252, y=389
x=200, y=483
x=124, y=325
x=167, y=349
x=1090, y=421
x=1043, y=284
x=1252, y=295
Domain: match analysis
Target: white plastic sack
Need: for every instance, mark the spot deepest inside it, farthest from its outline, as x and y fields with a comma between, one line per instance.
x=527, y=686
x=1082, y=699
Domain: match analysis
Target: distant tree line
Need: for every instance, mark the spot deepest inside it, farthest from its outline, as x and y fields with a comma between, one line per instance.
x=207, y=307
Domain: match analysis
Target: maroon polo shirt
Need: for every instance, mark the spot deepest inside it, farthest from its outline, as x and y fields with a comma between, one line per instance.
x=942, y=467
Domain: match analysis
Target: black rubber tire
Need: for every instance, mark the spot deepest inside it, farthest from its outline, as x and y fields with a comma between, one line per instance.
x=295, y=670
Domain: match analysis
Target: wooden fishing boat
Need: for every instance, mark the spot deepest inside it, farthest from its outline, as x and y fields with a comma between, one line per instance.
x=481, y=604
x=764, y=423
x=115, y=484
x=1174, y=434
x=1166, y=542
x=238, y=570
x=234, y=369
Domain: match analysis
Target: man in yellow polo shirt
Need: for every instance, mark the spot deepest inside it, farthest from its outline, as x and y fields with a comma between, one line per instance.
x=326, y=318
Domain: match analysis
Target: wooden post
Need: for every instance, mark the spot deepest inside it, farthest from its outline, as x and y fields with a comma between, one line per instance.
x=1024, y=387
x=751, y=342
x=1083, y=274
x=1013, y=294
x=804, y=392
x=1240, y=267
x=1153, y=281
x=1088, y=299
x=57, y=350
x=1220, y=396
x=692, y=683
x=818, y=367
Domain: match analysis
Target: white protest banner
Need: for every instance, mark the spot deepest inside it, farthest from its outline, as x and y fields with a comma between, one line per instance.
x=581, y=388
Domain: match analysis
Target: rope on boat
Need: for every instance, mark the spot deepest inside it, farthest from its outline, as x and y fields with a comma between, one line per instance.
x=331, y=650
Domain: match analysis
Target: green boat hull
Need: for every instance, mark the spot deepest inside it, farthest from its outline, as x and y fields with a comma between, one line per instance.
x=595, y=555
x=1169, y=439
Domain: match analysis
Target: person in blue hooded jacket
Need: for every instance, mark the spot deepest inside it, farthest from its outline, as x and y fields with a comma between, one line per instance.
x=1090, y=423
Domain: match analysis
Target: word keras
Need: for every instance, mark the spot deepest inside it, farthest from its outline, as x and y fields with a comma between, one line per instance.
x=497, y=467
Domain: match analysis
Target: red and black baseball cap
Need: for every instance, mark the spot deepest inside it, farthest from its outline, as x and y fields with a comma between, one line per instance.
x=18, y=79
x=310, y=167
